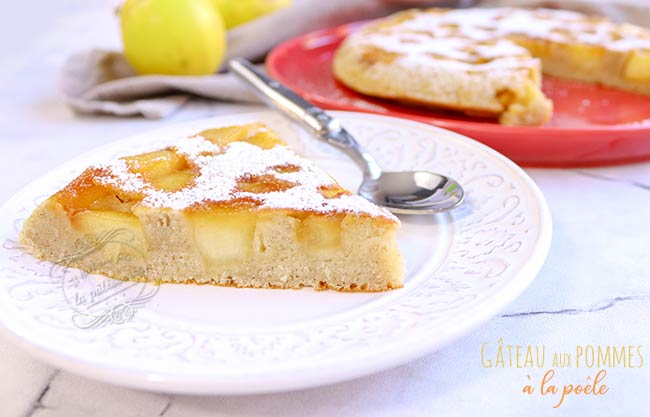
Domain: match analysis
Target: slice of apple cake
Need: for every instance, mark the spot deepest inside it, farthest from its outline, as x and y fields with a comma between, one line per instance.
x=230, y=206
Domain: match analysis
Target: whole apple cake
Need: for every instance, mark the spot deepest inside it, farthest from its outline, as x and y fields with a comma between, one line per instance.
x=488, y=62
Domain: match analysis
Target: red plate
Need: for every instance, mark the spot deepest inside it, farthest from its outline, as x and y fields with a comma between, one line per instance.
x=591, y=125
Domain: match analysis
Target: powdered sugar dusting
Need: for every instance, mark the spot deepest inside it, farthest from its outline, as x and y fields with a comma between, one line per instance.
x=221, y=169
x=194, y=148
x=477, y=39
x=117, y=174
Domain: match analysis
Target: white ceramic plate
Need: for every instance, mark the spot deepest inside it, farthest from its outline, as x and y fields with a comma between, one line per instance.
x=461, y=269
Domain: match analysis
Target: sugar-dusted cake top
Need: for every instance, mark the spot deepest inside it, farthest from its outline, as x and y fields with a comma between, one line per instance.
x=485, y=39
x=233, y=167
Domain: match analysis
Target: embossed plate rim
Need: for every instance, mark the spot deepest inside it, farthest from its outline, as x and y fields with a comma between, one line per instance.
x=317, y=370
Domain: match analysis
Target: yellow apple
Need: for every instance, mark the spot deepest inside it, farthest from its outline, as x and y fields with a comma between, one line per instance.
x=236, y=12
x=176, y=37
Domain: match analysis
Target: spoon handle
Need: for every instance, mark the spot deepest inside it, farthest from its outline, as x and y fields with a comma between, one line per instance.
x=319, y=123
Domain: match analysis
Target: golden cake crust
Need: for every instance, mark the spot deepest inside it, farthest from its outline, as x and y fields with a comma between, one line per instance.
x=233, y=168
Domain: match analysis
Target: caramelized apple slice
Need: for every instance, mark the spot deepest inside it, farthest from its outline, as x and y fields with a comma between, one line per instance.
x=262, y=184
x=255, y=134
x=86, y=193
x=174, y=181
x=155, y=164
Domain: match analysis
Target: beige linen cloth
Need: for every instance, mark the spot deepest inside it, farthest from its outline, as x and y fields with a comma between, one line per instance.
x=99, y=81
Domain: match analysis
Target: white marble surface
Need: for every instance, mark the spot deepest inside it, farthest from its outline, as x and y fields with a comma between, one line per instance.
x=593, y=290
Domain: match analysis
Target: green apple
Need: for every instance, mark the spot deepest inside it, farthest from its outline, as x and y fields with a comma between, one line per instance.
x=175, y=37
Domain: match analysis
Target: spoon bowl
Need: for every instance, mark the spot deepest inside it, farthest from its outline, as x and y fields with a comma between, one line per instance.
x=414, y=192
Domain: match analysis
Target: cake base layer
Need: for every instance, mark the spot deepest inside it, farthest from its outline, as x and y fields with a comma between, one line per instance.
x=275, y=249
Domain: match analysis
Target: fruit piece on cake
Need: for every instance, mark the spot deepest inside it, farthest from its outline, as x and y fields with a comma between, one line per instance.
x=233, y=206
x=488, y=62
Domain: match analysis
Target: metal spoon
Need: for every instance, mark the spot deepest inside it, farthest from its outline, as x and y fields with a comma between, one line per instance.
x=415, y=192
